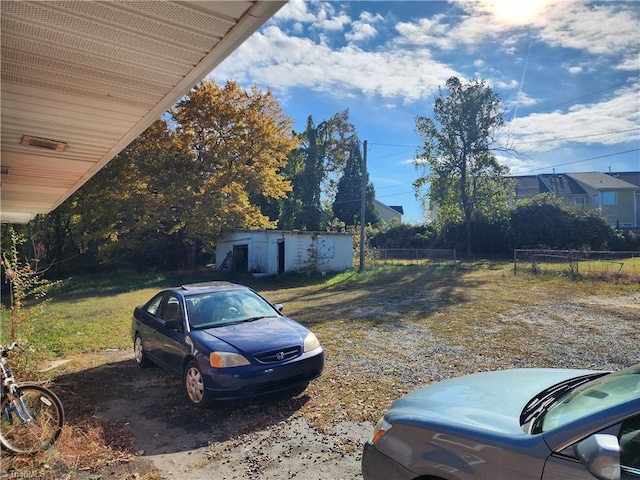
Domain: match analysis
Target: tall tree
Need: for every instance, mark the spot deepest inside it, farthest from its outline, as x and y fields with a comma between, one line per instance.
x=239, y=140
x=463, y=176
x=313, y=167
x=347, y=206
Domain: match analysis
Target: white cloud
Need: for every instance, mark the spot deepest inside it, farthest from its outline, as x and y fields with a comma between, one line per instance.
x=601, y=29
x=361, y=31
x=618, y=120
x=363, y=28
x=598, y=29
x=575, y=70
x=295, y=10
x=281, y=61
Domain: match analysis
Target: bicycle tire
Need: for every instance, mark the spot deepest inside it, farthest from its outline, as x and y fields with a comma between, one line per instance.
x=38, y=434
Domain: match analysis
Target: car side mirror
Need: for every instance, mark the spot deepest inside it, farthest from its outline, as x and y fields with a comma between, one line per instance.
x=279, y=307
x=600, y=454
x=174, y=324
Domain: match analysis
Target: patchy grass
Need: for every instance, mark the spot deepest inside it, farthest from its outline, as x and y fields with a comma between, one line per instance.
x=386, y=331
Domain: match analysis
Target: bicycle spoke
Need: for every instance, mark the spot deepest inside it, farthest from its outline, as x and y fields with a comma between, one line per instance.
x=32, y=422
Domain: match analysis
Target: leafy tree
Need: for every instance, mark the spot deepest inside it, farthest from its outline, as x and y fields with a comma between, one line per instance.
x=405, y=236
x=588, y=229
x=312, y=169
x=464, y=177
x=238, y=141
x=185, y=180
x=347, y=204
x=128, y=201
x=539, y=222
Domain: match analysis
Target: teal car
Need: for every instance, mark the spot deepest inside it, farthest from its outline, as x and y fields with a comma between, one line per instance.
x=520, y=424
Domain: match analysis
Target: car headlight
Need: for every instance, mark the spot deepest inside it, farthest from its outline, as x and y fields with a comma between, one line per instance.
x=311, y=342
x=382, y=427
x=227, y=359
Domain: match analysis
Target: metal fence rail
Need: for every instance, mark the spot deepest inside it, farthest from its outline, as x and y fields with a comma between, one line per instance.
x=574, y=261
x=413, y=255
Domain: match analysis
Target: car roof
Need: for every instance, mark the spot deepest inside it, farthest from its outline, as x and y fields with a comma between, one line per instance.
x=207, y=287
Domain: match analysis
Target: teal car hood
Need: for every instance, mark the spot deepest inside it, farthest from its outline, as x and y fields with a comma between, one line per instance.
x=490, y=401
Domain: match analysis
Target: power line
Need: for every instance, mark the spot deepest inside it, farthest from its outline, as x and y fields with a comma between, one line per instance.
x=583, y=136
x=529, y=142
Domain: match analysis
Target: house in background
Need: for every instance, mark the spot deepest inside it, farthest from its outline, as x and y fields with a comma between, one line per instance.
x=615, y=195
x=389, y=215
x=272, y=252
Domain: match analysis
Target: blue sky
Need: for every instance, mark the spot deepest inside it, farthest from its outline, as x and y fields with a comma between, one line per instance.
x=568, y=75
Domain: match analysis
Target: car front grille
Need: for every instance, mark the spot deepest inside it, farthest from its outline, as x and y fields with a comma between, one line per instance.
x=278, y=355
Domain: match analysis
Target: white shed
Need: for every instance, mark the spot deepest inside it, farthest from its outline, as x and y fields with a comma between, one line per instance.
x=274, y=252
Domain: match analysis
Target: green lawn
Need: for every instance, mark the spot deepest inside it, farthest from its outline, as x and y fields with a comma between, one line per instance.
x=89, y=314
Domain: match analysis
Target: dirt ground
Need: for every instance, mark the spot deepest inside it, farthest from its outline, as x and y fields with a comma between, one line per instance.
x=253, y=439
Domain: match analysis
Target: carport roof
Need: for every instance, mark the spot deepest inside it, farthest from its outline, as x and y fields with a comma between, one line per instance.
x=82, y=79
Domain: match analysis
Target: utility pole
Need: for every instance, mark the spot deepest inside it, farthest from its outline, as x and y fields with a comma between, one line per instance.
x=363, y=204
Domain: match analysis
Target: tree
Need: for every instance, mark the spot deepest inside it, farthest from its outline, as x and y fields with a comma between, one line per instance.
x=347, y=205
x=186, y=179
x=130, y=205
x=238, y=141
x=545, y=221
x=312, y=168
x=456, y=159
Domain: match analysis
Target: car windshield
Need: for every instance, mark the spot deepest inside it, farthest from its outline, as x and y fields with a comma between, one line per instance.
x=206, y=310
x=589, y=398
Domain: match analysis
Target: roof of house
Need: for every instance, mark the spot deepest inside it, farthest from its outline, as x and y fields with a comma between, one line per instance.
x=563, y=184
x=602, y=181
x=397, y=209
x=530, y=185
x=629, y=177
x=571, y=183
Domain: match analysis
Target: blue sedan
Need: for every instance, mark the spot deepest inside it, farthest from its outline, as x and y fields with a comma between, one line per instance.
x=225, y=341
x=521, y=424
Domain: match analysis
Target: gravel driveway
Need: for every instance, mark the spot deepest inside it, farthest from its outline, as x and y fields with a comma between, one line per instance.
x=319, y=434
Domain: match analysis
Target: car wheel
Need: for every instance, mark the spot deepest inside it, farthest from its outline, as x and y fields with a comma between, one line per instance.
x=194, y=385
x=139, y=354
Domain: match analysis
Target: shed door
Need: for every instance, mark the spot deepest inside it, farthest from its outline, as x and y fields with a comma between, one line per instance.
x=280, y=257
x=241, y=258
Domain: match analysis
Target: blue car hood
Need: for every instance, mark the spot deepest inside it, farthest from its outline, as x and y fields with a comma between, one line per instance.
x=488, y=401
x=258, y=336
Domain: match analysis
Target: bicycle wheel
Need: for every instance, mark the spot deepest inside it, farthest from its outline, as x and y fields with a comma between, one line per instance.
x=32, y=422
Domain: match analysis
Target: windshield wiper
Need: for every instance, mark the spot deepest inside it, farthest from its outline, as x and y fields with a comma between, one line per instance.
x=541, y=402
x=253, y=319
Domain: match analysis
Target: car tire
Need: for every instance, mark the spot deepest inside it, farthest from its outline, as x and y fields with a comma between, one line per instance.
x=139, y=353
x=193, y=381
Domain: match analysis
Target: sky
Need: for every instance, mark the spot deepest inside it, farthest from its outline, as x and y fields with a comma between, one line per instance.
x=567, y=74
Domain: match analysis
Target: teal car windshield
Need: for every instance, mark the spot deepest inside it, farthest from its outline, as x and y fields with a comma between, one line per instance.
x=597, y=395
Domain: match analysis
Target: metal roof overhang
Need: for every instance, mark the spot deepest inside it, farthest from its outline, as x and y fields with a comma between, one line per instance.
x=81, y=79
